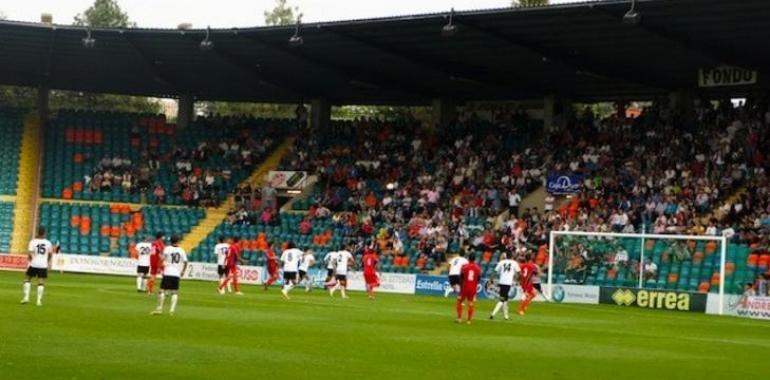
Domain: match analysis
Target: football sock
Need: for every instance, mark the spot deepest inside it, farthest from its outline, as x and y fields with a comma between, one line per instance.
x=342, y=290
x=459, y=308
x=40, y=289
x=138, y=282
x=174, y=298
x=505, y=310
x=471, y=309
x=25, y=291
x=497, y=308
x=161, y=299
x=151, y=284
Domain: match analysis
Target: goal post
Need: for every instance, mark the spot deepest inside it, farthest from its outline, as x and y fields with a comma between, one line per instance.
x=674, y=262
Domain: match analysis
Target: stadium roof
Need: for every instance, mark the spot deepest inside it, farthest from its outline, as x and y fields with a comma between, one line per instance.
x=582, y=50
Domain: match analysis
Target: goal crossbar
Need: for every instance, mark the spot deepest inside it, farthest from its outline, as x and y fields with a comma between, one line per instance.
x=642, y=237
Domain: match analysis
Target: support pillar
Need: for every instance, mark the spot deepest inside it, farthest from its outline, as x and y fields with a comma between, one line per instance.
x=557, y=111
x=184, y=113
x=320, y=114
x=43, y=94
x=444, y=112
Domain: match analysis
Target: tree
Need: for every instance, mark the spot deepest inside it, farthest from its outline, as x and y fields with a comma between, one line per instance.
x=104, y=14
x=282, y=14
x=529, y=3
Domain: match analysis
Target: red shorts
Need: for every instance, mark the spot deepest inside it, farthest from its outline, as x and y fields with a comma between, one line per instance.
x=528, y=289
x=272, y=271
x=154, y=270
x=232, y=269
x=467, y=295
x=371, y=278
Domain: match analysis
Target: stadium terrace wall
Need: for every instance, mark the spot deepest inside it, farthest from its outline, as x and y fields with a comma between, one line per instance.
x=740, y=306
x=653, y=299
x=122, y=266
x=585, y=294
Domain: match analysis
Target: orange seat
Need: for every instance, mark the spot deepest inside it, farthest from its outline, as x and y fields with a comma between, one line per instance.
x=711, y=247
x=104, y=230
x=715, y=278
x=697, y=257
x=77, y=186
x=612, y=274
x=763, y=261
x=704, y=287
x=77, y=158
x=114, y=231
x=649, y=244
x=753, y=259
x=66, y=193
x=132, y=251
x=75, y=220
x=673, y=277
x=729, y=267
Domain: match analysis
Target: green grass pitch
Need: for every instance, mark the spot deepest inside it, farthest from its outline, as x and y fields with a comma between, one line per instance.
x=98, y=327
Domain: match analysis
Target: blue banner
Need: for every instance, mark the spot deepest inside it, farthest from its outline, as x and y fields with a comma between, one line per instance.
x=564, y=184
x=436, y=286
x=431, y=285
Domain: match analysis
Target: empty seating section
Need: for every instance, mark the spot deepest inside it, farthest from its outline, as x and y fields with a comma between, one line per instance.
x=149, y=149
x=6, y=226
x=97, y=229
x=11, y=127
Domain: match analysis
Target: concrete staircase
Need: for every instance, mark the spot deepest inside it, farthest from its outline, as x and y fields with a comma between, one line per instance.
x=28, y=184
x=533, y=199
x=215, y=216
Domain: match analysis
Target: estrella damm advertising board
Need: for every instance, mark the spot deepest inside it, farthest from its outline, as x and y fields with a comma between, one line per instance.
x=653, y=299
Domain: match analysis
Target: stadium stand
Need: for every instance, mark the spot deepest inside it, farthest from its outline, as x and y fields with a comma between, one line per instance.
x=112, y=229
x=11, y=126
x=121, y=157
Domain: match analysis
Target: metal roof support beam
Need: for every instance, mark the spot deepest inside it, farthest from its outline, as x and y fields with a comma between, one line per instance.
x=466, y=73
x=349, y=73
x=149, y=63
x=583, y=64
x=261, y=73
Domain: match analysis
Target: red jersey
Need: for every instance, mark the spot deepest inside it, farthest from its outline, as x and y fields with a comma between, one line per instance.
x=156, y=252
x=470, y=274
x=233, y=255
x=528, y=272
x=272, y=262
x=370, y=261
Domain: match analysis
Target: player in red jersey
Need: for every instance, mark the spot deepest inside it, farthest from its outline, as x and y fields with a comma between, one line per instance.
x=526, y=279
x=155, y=264
x=470, y=275
x=231, y=265
x=271, y=260
x=370, y=261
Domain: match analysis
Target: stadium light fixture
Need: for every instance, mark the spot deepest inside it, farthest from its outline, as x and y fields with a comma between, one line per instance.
x=88, y=42
x=632, y=17
x=296, y=40
x=450, y=29
x=207, y=44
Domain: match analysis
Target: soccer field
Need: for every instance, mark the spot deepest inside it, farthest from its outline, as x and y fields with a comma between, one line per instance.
x=98, y=327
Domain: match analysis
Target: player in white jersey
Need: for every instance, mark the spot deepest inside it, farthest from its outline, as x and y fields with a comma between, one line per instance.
x=221, y=250
x=344, y=261
x=174, y=261
x=143, y=251
x=506, y=271
x=290, y=258
x=455, y=266
x=331, y=261
x=39, y=252
x=307, y=262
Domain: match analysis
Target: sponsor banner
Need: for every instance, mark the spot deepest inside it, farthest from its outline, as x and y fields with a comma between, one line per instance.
x=389, y=282
x=285, y=180
x=753, y=307
x=721, y=76
x=435, y=285
x=123, y=266
x=564, y=184
x=653, y=299
x=13, y=262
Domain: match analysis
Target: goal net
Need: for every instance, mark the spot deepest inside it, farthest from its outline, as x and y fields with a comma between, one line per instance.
x=645, y=270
